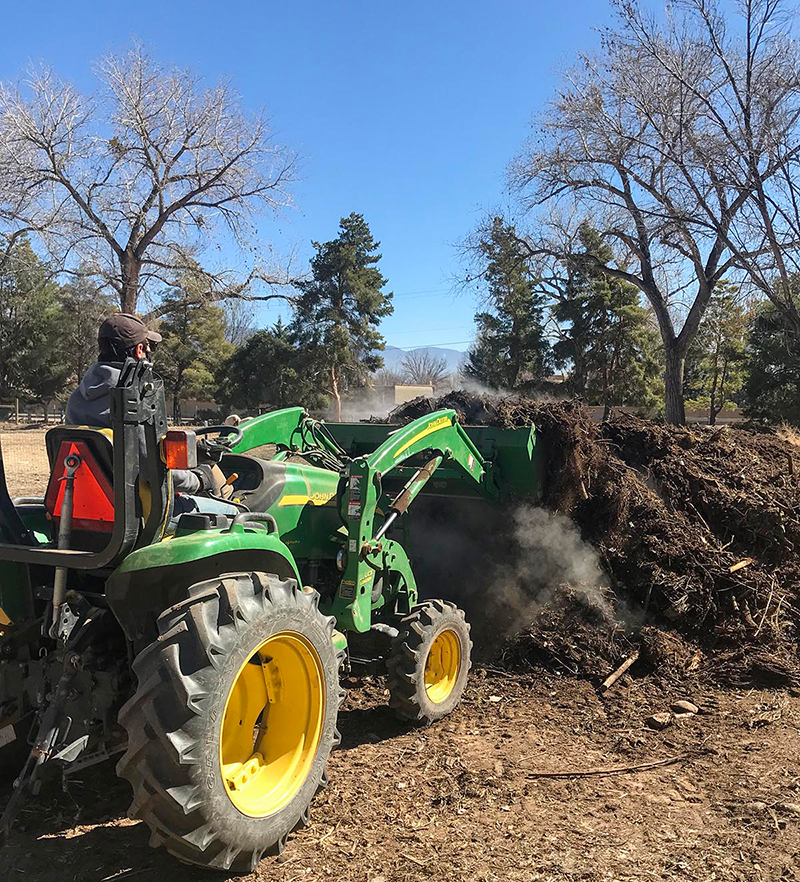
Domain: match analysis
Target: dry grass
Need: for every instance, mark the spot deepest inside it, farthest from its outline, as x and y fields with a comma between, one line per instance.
x=789, y=434
x=25, y=459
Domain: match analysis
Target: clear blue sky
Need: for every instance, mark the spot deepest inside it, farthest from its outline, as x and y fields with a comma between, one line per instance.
x=407, y=112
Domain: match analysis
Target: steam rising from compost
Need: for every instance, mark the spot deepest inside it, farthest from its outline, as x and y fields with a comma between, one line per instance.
x=503, y=566
x=550, y=553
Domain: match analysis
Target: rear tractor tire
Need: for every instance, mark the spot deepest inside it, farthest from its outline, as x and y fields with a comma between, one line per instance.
x=233, y=720
x=429, y=662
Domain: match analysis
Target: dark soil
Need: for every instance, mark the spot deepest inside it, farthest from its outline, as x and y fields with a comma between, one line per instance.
x=463, y=800
x=497, y=791
x=697, y=530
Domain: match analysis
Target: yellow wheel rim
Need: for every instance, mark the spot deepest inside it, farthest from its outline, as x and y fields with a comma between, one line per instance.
x=272, y=724
x=442, y=666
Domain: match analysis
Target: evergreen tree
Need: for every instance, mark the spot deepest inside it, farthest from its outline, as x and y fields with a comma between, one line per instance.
x=33, y=351
x=270, y=370
x=194, y=343
x=715, y=362
x=340, y=308
x=511, y=351
x=607, y=339
x=772, y=385
x=84, y=308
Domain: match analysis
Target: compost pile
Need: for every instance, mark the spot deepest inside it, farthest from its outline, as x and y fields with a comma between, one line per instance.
x=698, y=532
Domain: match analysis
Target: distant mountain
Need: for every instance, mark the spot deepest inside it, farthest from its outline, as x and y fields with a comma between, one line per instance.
x=393, y=357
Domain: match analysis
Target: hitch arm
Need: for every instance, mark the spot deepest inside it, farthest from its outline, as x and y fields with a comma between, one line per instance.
x=43, y=746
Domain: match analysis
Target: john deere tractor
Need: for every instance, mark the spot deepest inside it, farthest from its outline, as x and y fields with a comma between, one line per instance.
x=206, y=650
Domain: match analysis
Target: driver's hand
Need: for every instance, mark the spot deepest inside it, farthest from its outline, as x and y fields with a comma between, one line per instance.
x=212, y=480
x=206, y=476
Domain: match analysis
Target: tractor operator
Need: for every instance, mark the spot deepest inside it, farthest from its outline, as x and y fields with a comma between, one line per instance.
x=125, y=336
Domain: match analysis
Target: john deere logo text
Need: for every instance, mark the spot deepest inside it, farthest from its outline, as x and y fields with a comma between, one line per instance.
x=442, y=422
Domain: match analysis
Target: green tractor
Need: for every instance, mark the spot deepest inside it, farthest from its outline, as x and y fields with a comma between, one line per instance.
x=207, y=649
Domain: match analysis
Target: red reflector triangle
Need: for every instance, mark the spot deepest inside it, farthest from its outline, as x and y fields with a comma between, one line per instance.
x=93, y=497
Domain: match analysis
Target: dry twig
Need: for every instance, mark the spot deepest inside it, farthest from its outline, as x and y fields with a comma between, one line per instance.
x=620, y=770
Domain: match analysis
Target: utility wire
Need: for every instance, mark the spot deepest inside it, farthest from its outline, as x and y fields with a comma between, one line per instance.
x=426, y=345
x=432, y=330
x=414, y=295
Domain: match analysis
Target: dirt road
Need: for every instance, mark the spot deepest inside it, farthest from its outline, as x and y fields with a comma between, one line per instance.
x=461, y=801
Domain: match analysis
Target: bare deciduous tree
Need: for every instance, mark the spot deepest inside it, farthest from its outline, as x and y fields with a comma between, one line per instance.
x=134, y=179
x=751, y=130
x=387, y=377
x=422, y=368
x=240, y=322
x=640, y=142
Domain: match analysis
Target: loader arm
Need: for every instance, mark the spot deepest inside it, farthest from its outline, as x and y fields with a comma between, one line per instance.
x=291, y=430
x=370, y=556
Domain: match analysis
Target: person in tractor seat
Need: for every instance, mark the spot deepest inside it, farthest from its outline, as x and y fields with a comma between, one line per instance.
x=126, y=336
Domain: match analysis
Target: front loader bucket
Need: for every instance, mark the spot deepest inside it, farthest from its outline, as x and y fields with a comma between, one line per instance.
x=459, y=530
x=515, y=458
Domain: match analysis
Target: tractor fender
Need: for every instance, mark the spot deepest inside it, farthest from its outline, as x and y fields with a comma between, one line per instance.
x=154, y=578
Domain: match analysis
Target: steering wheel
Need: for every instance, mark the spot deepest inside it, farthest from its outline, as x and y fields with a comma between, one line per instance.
x=227, y=437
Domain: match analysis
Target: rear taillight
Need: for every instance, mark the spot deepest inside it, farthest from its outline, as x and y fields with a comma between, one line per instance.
x=179, y=449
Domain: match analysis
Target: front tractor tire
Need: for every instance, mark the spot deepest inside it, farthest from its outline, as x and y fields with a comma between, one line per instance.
x=233, y=720
x=429, y=662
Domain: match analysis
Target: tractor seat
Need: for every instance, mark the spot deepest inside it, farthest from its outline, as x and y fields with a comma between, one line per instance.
x=259, y=482
x=93, y=499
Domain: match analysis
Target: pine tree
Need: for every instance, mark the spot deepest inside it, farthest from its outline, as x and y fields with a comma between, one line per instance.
x=607, y=339
x=270, y=370
x=772, y=386
x=85, y=307
x=33, y=351
x=715, y=362
x=341, y=306
x=512, y=350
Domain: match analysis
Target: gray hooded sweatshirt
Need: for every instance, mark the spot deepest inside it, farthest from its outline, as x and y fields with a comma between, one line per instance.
x=90, y=405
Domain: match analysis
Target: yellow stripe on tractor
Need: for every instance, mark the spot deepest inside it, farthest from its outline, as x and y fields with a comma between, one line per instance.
x=305, y=499
x=296, y=499
x=434, y=426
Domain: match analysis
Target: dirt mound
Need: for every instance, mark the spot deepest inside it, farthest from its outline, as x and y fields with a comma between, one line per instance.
x=698, y=530
x=567, y=635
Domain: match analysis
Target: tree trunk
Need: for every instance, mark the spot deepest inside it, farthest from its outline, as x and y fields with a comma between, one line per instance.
x=674, y=361
x=513, y=356
x=176, y=399
x=130, y=269
x=336, y=396
x=713, y=409
x=718, y=401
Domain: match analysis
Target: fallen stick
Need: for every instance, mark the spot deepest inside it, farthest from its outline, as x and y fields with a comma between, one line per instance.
x=741, y=564
x=620, y=770
x=766, y=608
x=612, y=678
